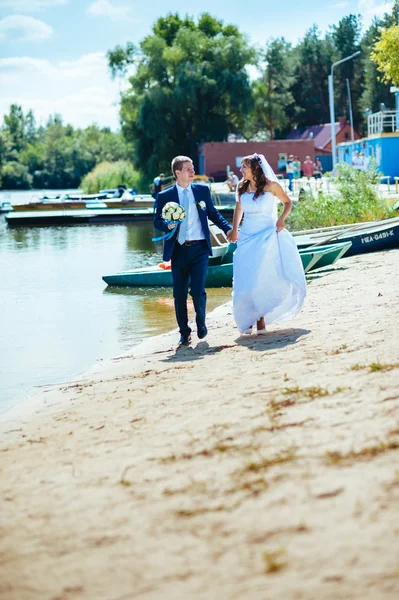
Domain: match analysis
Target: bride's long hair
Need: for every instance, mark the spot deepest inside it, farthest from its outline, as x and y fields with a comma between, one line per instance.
x=260, y=179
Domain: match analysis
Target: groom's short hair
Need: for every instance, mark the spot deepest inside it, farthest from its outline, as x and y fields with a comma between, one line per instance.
x=178, y=162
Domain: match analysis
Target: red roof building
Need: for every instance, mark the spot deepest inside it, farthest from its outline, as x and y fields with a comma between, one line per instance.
x=215, y=158
x=321, y=135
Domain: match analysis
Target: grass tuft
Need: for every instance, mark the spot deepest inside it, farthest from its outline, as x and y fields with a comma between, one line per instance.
x=288, y=455
x=274, y=560
x=375, y=366
x=336, y=458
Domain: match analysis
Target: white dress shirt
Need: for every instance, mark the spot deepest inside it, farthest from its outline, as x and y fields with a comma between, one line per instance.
x=194, y=226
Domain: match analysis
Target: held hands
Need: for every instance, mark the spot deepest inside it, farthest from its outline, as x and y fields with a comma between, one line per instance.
x=232, y=235
x=171, y=225
x=280, y=224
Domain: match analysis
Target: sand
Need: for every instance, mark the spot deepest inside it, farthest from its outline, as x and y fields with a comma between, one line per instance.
x=245, y=468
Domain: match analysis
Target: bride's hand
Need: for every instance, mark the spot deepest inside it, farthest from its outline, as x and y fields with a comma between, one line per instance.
x=232, y=236
x=280, y=224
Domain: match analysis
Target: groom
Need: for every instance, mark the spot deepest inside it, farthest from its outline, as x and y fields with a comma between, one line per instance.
x=190, y=246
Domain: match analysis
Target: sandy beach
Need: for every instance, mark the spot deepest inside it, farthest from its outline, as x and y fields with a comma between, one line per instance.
x=241, y=468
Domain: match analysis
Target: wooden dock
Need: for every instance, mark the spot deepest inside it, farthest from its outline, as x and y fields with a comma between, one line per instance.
x=90, y=216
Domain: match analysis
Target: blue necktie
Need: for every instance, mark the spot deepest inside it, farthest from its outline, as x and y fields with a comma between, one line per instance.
x=183, y=226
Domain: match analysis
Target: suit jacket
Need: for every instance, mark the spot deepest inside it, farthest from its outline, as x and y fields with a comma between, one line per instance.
x=201, y=193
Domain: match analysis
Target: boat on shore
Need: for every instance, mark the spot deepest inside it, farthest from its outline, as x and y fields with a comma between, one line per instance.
x=371, y=236
x=220, y=268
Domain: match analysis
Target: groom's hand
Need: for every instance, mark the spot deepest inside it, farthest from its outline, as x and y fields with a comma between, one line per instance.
x=231, y=236
x=171, y=225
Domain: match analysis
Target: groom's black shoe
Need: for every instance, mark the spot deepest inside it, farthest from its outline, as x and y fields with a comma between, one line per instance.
x=202, y=332
x=185, y=340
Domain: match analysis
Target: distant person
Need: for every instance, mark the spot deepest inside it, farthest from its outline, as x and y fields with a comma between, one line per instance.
x=364, y=162
x=120, y=190
x=289, y=169
x=297, y=168
x=357, y=162
x=318, y=169
x=232, y=181
x=308, y=168
x=157, y=185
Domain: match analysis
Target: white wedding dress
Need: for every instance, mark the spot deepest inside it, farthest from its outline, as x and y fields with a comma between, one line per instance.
x=268, y=276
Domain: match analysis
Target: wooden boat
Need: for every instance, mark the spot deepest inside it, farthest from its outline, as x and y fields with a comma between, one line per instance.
x=326, y=255
x=365, y=237
x=145, y=201
x=216, y=276
x=63, y=202
x=220, y=268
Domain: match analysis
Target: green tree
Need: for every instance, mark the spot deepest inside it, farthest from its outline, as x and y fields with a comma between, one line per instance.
x=346, y=37
x=15, y=176
x=272, y=97
x=190, y=85
x=314, y=57
x=14, y=126
x=386, y=55
x=278, y=79
x=375, y=90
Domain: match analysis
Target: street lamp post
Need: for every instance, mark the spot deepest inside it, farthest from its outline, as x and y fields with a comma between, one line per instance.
x=331, y=101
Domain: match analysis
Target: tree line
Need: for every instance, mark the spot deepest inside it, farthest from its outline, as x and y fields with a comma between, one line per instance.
x=54, y=155
x=188, y=83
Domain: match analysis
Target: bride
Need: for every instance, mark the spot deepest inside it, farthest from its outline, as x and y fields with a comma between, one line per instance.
x=268, y=278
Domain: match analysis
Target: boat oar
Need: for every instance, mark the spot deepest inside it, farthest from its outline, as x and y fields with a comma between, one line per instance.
x=335, y=236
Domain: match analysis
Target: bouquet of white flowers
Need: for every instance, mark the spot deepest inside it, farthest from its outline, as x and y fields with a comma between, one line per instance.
x=172, y=211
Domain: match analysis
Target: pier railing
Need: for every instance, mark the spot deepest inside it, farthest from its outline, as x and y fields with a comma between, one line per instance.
x=383, y=121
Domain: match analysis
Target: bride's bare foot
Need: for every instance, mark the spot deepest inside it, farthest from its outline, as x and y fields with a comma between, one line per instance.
x=260, y=325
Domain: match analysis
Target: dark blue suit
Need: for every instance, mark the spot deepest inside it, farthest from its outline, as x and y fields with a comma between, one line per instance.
x=189, y=262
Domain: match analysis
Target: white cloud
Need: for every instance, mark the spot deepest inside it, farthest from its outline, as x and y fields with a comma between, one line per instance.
x=374, y=8
x=29, y=29
x=30, y=5
x=84, y=66
x=81, y=91
x=105, y=8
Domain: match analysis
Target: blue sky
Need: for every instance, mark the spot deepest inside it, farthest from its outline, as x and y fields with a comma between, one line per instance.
x=52, y=52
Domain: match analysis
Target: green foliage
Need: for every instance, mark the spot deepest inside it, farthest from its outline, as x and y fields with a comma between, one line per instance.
x=15, y=176
x=356, y=200
x=190, y=85
x=55, y=156
x=314, y=56
x=272, y=94
x=108, y=175
x=346, y=37
x=375, y=90
x=386, y=55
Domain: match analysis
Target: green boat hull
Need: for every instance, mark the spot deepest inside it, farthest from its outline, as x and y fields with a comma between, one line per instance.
x=216, y=276
x=220, y=268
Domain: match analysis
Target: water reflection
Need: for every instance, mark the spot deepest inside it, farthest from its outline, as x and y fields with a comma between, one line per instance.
x=58, y=315
x=155, y=309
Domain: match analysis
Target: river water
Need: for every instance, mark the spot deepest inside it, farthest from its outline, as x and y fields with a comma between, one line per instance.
x=58, y=316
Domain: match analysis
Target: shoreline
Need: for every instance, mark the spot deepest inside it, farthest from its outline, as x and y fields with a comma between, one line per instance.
x=238, y=467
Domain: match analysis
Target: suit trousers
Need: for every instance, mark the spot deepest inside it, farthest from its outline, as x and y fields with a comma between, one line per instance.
x=189, y=265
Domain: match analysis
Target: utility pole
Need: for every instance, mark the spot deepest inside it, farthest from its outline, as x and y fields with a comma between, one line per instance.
x=350, y=109
x=332, y=111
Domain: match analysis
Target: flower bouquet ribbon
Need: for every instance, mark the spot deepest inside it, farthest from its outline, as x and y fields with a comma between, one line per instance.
x=172, y=213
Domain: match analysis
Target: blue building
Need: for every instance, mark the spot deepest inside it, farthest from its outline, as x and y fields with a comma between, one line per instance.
x=381, y=143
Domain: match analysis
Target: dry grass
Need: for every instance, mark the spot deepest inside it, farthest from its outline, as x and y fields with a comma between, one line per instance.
x=274, y=560
x=263, y=464
x=374, y=367
x=336, y=458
